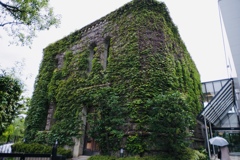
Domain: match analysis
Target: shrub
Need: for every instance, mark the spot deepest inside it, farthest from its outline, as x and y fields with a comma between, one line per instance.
x=191, y=154
x=187, y=154
x=100, y=157
x=39, y=148
x=162, y=157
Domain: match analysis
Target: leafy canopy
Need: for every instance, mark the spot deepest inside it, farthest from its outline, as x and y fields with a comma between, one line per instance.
x=11, y=100
x=22, y=18
x=14, y=131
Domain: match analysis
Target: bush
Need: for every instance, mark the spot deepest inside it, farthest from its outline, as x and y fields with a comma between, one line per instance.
x=187, y=154
x=191, y=154
x=100, y=157
x=39, y=148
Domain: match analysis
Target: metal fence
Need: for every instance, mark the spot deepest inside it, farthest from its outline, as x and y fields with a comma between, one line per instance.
x=5, y=154
x=23, y=156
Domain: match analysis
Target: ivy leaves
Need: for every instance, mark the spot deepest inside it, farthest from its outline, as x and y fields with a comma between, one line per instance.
x=145, y=97
x=170, y=118
x=10, y=100
x=107, y=120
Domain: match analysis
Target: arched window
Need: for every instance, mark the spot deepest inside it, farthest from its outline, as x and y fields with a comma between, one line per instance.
x=106, y=52
x=92, y=52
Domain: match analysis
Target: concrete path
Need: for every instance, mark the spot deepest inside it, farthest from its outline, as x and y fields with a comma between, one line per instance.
x=81, y=158
x=232, y=157
x=235, y=157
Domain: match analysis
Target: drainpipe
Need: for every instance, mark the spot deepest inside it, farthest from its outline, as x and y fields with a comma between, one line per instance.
x=205, y=123
x=211, y=137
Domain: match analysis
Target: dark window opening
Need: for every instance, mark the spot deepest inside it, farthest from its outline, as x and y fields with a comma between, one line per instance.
x=106, y=52
x=92, y=51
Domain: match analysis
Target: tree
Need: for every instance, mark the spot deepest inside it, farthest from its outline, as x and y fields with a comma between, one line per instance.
x=14, y=131
x=170, y=119
x=11, y=99
x=21, y=19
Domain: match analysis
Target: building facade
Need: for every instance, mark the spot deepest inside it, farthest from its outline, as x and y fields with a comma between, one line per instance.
x=96, y=87
x=221, y=97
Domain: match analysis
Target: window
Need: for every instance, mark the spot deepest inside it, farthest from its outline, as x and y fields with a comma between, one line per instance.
x=106, y=52
x=92, y=49
x=209, y=91
x=217, y=86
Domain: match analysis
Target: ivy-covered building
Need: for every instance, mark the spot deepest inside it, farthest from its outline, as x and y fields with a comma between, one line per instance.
x=123, y=81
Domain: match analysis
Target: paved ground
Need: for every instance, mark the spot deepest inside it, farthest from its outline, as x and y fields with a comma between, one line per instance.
x=232, y=157
x=213, y=158
x=235, y=157
x=81, y=158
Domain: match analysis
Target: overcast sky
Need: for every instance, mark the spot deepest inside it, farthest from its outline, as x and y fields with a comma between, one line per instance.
x=198, y=23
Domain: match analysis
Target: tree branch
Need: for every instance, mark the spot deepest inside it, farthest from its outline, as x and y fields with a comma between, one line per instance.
x=9, y=7
x=13, y=10
x=7, y=23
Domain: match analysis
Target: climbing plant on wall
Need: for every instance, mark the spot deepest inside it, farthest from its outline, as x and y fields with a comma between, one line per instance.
x=170, y=117
x=150, y=79
x=107, y=120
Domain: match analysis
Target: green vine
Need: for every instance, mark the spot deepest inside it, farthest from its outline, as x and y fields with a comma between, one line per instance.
x=146, y=59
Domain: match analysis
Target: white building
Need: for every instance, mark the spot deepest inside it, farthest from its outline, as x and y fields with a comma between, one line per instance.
x=221, y=97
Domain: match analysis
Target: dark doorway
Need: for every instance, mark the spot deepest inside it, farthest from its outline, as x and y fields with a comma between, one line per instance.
x=90, y=145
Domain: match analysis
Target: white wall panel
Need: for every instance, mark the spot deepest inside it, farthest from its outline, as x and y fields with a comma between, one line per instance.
x=230, y=12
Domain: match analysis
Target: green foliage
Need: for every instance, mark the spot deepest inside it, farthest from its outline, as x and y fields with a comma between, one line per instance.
x=150, y=87
x=233, y=140
x=18, y=131
x=21, y=19
x=37, y=112
x=190, y=154
x=169, y=121
x=135, y=145
x=39, y=148
x=11, y=100
x=14, y=131
x=187, y=154
x=106, y=121
x=100, y=157
x=42, y=138
x=6, y=134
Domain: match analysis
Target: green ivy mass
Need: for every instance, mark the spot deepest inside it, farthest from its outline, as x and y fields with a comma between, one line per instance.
x=148, y=67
